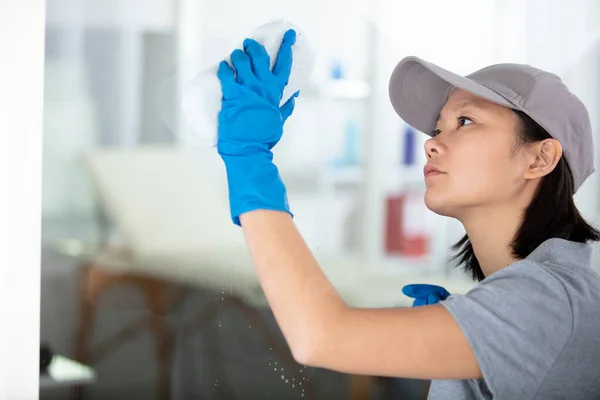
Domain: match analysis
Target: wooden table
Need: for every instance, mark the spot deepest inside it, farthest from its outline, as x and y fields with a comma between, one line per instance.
x=366, y=286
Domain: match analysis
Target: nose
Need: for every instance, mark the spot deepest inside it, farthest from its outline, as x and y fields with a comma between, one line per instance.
x=432, y=146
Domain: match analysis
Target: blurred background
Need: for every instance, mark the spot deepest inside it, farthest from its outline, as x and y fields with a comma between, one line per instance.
x=147, y=289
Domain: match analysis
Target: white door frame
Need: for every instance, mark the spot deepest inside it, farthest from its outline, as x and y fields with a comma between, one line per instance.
x=22, y=35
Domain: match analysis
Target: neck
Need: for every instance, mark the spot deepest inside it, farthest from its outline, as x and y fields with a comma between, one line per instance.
x=491, y=234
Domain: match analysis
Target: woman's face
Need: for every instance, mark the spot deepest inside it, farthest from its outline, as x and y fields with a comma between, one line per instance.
x=475, y=148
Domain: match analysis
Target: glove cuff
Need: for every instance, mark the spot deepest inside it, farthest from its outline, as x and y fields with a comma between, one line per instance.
x=254, y=183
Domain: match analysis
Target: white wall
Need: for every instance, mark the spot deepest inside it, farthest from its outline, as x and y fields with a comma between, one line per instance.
x=334, y=27
x=565, y=38
x=558, y=44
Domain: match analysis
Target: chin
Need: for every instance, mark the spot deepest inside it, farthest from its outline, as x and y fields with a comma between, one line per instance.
x=439, y=203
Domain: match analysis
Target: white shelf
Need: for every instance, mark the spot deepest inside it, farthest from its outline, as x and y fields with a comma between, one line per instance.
x=141, y=15
x=312, y=177
x=344, y=175
x=340, y=89
x=350, y=176
x=365, y=285
x=347, y=89
x=403, y=264
x=301, y=178
x=404, y=177
x=411, y=176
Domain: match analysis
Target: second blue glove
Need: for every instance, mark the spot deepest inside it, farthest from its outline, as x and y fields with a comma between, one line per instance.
x=425, y=294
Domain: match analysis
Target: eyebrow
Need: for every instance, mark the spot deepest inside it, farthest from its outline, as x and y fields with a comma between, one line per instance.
x=464, y=104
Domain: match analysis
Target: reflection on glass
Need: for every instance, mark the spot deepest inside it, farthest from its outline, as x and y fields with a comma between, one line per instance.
x=147, y=288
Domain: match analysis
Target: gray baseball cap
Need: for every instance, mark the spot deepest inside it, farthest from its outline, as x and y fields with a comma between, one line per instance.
x=419, y=89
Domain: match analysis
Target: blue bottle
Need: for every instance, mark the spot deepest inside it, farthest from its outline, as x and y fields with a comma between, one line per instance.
x=352, y=143
x=337, y=71
x=409, y=139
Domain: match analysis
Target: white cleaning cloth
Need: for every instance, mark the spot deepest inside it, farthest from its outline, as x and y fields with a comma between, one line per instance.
x=201, y=99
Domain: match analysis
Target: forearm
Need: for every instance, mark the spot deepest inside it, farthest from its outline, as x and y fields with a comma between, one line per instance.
x=304, y=302
x=251, y=122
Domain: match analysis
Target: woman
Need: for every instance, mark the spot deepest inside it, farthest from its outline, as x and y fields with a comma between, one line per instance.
x=509, y=147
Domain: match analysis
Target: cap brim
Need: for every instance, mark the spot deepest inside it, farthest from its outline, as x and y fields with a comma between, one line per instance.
x=418, y=90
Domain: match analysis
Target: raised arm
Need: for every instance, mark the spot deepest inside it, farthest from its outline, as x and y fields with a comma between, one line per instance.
x=319, y=327
x=421, y=343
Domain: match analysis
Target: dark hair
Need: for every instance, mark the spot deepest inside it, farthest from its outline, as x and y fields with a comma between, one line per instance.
x=551, y=214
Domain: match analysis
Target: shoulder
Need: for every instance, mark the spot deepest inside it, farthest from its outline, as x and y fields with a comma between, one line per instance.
x=558, y=270
x=580, y=284
x=524, y=282
x=524, y=295
x=517, y=321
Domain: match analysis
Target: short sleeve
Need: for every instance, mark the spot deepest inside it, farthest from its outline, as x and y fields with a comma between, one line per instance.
x=517, y=322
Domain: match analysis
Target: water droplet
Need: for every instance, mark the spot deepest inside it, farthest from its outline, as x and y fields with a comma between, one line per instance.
x=274, y=369
x=282, y=369
x=293, y=385
x=282, y=377
x=287, y=380
x=249, y=326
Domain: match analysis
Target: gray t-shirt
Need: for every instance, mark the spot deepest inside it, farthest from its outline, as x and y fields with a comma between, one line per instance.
x=534, y=328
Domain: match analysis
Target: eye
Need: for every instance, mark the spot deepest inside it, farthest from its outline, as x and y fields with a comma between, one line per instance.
x=462, y=121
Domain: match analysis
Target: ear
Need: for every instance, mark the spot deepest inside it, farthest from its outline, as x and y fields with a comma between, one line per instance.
x=544, y=155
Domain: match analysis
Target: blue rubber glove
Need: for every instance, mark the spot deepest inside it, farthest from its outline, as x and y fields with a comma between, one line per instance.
x=251, y=123
x=425, y=294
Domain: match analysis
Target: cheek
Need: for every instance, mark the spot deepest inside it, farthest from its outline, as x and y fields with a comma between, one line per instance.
x=483, y=164
x=477, y=174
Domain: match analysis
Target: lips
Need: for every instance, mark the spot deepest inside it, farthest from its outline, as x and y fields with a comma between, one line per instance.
x=430, y=170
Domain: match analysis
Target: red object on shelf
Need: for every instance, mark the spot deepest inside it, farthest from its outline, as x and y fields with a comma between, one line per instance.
x=406, y=232
x=393, y=229
x=416, y=246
